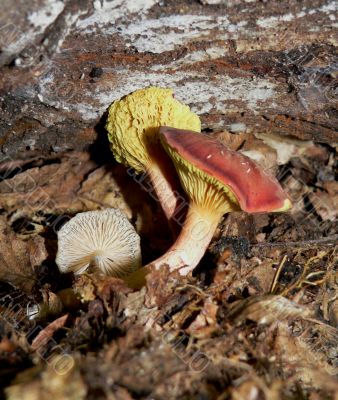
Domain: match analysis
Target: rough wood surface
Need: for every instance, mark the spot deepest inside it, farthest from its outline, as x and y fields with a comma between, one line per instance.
x=243, y=65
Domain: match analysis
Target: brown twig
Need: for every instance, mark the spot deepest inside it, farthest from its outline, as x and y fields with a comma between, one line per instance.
x=328, y=241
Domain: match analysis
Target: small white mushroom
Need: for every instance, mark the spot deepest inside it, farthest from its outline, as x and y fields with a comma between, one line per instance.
x=104, y=240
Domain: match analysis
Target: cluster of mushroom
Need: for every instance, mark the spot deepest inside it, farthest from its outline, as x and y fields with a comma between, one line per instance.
x=152, y=132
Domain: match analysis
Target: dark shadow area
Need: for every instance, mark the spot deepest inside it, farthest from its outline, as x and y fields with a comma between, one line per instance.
x=100, y=149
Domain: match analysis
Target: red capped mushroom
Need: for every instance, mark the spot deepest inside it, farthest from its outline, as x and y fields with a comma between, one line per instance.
x=217, y=181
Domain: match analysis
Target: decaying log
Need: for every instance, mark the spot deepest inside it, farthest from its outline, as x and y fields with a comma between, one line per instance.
x=245, y=66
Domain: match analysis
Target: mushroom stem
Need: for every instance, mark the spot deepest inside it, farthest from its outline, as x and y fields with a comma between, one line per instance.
x=191, y=244
x=188, y=249
x=167, y=188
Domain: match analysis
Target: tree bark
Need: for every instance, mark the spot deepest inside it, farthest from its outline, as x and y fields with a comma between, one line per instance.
x=249, y=66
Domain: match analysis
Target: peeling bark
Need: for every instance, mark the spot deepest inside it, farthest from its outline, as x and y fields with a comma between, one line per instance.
x=252, y=66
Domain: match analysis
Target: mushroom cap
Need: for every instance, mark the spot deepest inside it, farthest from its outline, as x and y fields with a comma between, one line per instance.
x=102, y=239
x=133, y=123
x=205, y=165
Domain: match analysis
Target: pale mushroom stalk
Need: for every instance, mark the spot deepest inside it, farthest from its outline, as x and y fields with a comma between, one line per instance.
x=193, y=241
x=189, y=247
x=164, y=190
x=167, y=188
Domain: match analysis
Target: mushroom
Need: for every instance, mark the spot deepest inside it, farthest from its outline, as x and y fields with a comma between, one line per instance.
x=104, y=240
x=217, y=181
x=133, y=125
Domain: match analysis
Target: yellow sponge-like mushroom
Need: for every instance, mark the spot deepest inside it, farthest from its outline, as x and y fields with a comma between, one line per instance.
x=133, y=123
